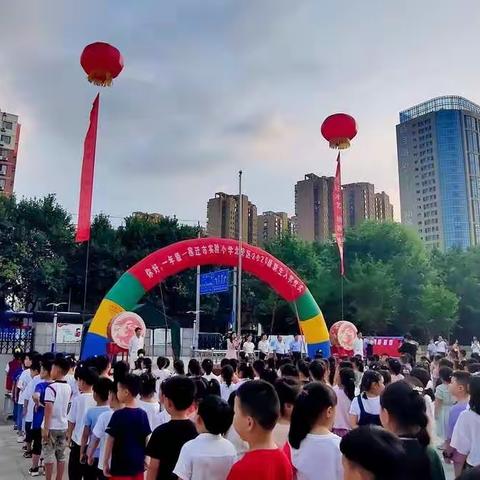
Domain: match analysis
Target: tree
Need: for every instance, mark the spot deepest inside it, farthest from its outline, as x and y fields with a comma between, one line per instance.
x=440, y=309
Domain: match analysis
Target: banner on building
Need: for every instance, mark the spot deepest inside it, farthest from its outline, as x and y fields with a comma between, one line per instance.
x=69, y=333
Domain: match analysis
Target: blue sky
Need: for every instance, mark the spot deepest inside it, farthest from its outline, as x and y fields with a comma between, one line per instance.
x=211, y=87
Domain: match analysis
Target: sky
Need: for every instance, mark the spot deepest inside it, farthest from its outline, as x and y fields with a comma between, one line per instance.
x=211, y=87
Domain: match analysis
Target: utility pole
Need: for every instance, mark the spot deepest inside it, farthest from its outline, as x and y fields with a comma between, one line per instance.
x=240, y=241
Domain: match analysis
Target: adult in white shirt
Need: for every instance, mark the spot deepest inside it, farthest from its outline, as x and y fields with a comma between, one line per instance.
x=137, y=342
x=264, y=347
x=465, y=438
x=441, y=345
x=209, y=456
x=279, y=347
x=475, y=346
x=358, y=346
x=249, y=346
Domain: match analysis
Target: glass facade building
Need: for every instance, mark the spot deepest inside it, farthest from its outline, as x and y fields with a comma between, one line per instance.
x=438, y=146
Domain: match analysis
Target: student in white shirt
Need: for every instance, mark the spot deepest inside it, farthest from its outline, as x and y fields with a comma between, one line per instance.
x=55, y=424
x=315, y=450
x=209, y=456
x=22, y=382
x=148, y=401
x=287, y=390
x=345, y=391
x=264, y=347
x=161, y=373
x=466, y=433
x=226, y=385
x=28, y=405
x=365, y=408
x=358, y=345
x=207, y=366
x=86, y=378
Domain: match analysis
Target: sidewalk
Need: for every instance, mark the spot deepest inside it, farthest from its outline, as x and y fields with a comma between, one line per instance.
x=12, y=464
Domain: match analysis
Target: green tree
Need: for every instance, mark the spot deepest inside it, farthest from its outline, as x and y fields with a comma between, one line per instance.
x=440, y=309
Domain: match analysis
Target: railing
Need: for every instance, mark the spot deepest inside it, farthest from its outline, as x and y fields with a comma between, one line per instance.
x=11, y=338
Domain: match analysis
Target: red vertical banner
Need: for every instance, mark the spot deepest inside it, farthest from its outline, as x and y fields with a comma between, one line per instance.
x=86, y=182
x=338, y=213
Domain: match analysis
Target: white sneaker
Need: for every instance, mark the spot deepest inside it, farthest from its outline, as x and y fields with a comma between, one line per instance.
x=21, y=439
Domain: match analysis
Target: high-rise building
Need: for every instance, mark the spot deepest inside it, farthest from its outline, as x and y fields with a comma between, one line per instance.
x=438, y=145
x=358, y=203
x=383, y=208
x=272, y=226
x=314, y=208
x=222, y=217
x=9, y=138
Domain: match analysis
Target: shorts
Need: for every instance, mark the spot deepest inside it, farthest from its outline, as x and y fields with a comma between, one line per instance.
x=55, y=446
x=28, y=432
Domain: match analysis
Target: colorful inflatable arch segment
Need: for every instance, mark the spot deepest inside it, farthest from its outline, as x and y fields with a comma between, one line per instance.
x=167, y=261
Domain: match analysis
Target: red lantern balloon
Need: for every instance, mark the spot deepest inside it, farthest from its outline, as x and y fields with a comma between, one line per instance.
x=339, y=129
x=343, y=334
x=102, y=63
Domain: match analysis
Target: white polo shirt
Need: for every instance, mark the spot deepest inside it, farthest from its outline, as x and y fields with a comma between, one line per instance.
x=59, y=393
x=80, y=405
x=207, y=456
x=466, y=436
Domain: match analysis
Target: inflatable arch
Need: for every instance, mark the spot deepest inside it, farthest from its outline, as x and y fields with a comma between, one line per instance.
x=167, y=261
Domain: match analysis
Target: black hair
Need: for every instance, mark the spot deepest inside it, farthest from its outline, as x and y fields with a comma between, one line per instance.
x=131, y=383
x=315, y=398
x=422, y=374
x=302, y=366
x=100, y=362
x=395, y=366
x=48, y=357
x=180, y=390
x=318, y=370
x=407, y=407
x=347, y=381
x=375, y=450
x=287, y=390
x=445, y=362
x=227, y=374
x=141, y=352
x=387, y=376
x=474, y=389
x=289, y=370
x=246, y=371
x=207, y=365
x=473, y=368
x=345, y=364
x=213, y=387
x=179, y=367
x=462, y=378
x=369, y=378
x=120, y=369
x=259, y=400
x=201, y=388
x=445, y=374
x=147, y=384
x=163, y=362
x=258, y=366
x=269, y=375
x=137, y=329
x=217, y=415
x=147, y=364
x=234, y=363
x=194, y=368
x=224, y=361
x=358, y=362
x=47, y=365
x=102, y=388
x=35, y=365
x=89, y=375
x=62, y=364
x=271, y=363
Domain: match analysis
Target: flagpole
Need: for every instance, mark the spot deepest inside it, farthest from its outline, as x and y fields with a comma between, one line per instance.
x=240, y=238
x=196, y=327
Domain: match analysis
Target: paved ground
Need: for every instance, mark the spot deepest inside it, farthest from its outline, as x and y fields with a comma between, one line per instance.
x=12, y=464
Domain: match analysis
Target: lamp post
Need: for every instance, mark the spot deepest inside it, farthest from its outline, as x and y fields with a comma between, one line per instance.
x=55, y=322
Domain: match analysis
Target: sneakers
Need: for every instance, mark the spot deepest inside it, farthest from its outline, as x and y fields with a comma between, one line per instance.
x=20, y=439
x=34, y=472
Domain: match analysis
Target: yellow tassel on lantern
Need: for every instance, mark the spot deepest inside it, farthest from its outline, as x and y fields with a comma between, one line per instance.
x=101, y=79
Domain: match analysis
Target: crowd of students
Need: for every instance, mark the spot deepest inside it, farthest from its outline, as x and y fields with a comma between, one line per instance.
x=272, y=419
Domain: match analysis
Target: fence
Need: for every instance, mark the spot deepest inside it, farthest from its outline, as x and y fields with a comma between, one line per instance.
x=11, y=338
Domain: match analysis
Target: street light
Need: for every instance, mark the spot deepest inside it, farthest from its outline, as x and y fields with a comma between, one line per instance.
x=195, y=326
x=55, y=320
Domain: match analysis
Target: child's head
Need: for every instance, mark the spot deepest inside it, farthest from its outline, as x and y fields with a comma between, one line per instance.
x=194, y=368
x=258, y=367
x=422, y=375
x=372, y=383
x=102, y=364
x=101, y=390
x=60, y=367
x=179, y=367
x=287, y=390
x=445, y=374
x=35, y=368
x=346, y=380
x=227, y=374
x=147, y=385
x=395, y=366
x=207, y=366
x=445, y=362
x=372, y=453
x=473, y=368
x=288, y=371
x=45, y=370
x=314, y=406
x=474, y=390
x=303, y=370
x=459, y=385
x=404, y=411
x=147, y=364
x=245, y=371
x=387, y=376
x=318, y=370
x=163, y=362
x=86, y=378
x=120, y=369
x=257, y=410
x=178, y=393
x=112, y=396
x=214, y=416
x=128, y=388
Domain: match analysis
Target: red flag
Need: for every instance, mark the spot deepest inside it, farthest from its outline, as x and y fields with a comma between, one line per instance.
x=86, y=182
x=338, y=213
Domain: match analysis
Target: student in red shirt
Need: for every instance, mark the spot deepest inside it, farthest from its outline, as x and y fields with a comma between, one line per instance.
x=257, y=410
